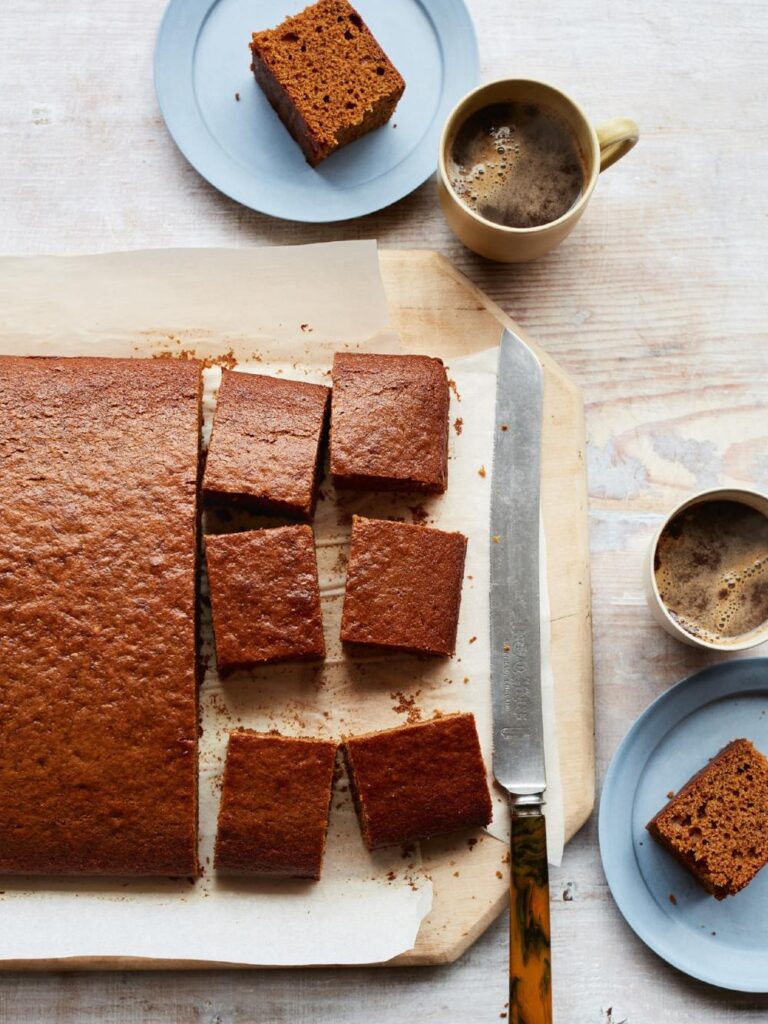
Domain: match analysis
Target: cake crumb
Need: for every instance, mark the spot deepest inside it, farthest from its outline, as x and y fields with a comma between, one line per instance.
x=454, y=389
x=673, y=899
x=306, y=328
x=458, y=425
x=670, y=794
x=237, y=96
x=419, y=515
x=472, y=843
x=226, y=360
x=185, y=353
x=407, y=706
x=481, y=471
x=499, y=874
x=472, y=639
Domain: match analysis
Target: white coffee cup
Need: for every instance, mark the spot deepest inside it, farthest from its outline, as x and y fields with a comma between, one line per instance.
x=660, y=612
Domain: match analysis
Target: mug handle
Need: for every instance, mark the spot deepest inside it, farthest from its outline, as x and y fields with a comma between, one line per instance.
x=616, y=137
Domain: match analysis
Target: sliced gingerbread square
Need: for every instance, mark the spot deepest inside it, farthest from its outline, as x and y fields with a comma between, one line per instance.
x=266, y=445
x=389, y=422
x=403, y=587
x=418, y=780
x=717, y=825
x=275, y=800
x=265, y=597
x=326, y=76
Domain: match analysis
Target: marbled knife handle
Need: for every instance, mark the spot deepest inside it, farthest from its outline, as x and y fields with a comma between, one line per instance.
x=530, y=971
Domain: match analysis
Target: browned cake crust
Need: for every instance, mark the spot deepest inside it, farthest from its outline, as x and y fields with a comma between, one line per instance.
x=273, y=817
x=265, y=597
x=418, y=781
x=403, y=587
x=326, y=76
x=98, y=545
x=717, y=825
x=266, y=443
x=389, y=422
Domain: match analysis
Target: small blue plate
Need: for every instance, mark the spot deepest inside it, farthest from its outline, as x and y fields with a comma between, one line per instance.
x=202, y=60
x=724, y=943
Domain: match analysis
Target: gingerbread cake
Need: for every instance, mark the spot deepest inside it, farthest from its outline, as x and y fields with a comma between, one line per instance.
x=389, y=422
x=266, y=445
x=717, y=825
x=418, y=781
x=265, y=597
x=326, y=77
x=275, y=801
x=98, y=546
x=403, y=587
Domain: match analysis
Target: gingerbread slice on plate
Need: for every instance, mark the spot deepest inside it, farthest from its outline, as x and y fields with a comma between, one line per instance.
x=717, y=825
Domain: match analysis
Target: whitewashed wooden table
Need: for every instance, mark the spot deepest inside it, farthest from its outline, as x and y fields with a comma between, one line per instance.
x=656, y=305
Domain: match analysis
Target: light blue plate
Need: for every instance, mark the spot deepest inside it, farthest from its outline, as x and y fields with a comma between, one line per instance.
x=202, y=59
x=724, y=943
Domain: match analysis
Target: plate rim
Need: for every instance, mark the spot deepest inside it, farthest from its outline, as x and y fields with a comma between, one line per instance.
x=611, y=852
x=189, y=132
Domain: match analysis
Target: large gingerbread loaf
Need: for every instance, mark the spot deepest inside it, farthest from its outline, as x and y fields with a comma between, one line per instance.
x=98, y=548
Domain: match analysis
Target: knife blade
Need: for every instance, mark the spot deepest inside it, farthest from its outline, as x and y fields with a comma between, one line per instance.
x=518, y=731
x=515, y=633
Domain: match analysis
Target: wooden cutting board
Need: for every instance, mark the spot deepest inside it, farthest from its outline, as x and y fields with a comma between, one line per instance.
x=437, y=311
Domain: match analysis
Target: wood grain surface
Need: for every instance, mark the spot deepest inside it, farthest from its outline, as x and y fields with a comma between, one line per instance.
x=655, y=305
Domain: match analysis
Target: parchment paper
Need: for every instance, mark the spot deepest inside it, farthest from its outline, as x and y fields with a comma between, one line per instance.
x=276, y=310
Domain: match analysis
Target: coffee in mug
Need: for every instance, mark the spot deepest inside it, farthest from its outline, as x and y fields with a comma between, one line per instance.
x=710, y=566
x=517, y=164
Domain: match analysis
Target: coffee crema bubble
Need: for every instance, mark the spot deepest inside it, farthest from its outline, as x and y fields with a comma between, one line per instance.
x=711, y=569
x=517, y=164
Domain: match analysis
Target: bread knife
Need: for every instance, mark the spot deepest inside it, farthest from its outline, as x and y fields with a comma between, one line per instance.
x=515, y=630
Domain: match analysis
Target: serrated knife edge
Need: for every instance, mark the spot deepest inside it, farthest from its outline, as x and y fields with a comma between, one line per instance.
x=515, y=626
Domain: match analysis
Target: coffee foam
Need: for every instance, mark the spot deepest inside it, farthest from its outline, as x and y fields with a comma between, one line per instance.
x=711, y=570
x=517, y=164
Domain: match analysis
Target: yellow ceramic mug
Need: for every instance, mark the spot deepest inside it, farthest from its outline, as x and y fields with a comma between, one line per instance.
x=600, y=148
